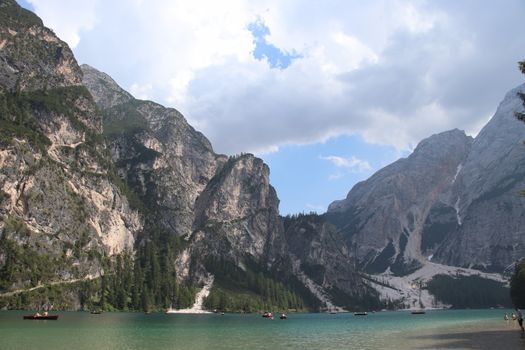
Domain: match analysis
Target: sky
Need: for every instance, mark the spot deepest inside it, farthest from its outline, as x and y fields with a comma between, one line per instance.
x=326, y=92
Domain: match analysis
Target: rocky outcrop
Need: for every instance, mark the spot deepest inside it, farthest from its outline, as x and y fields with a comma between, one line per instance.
x=224, y=207
x=383, y=217
x=237, y=214
x=59, y=203
x=454, y=200
x=490, y=211
x=319, y=252
x=162, y=158
x=32, y=57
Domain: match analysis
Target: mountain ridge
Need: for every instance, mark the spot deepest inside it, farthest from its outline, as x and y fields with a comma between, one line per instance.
x=117, y=203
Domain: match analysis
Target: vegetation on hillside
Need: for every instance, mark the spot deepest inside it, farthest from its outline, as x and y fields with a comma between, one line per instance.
x=517, y=285
x=469, y=291
x=254, y=290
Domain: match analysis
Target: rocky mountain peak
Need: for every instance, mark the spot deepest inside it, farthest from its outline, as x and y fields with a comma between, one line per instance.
x=442, y=143
x=486, y=194
x=384, y=216
x=106, y=92
x=32, y=57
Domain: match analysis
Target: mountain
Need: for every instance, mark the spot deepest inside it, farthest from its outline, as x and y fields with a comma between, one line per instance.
x=61, y=208
x=490, y=212
x=224, y=207
x=112, y=202
x=454, y=201
x=384, y=216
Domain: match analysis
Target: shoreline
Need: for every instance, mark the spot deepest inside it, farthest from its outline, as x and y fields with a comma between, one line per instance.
x=482, y=335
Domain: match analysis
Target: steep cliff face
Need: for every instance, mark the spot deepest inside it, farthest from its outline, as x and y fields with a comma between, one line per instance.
x=60, y=208
x=383, y=217
x=454, y=201
x=159, y=154
x=31, y=55
x=321, y=259
x=489, y=211
x=239, y=208
x=225, y=208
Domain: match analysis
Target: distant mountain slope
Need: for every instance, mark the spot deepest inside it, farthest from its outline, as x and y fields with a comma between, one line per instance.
x=383, y=217
x=490, y=212
x=453, y=200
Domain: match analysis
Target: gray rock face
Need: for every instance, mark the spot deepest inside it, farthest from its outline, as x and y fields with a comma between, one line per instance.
x=490, y=212
x=383, y=217
x=160, y=155
x=237, y=214
x=225, y=208
x=318, y=249
x=103, y=88
x=454, y=200
x=58, y=201
x=31, y=55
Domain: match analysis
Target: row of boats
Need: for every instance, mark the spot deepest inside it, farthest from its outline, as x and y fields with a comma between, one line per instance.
x=269, y=315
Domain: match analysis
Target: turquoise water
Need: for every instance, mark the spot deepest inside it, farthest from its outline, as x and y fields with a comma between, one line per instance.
x=382, y=330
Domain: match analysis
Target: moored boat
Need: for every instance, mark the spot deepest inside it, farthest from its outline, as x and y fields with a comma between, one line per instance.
x=41, y=317
x=360, y=313
x=418, y=312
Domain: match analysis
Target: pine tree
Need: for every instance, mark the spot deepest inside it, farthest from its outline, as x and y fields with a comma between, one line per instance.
x=517, y=285
x=521, y=115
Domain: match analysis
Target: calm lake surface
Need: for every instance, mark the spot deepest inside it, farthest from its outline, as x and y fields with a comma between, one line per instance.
x=449, y=329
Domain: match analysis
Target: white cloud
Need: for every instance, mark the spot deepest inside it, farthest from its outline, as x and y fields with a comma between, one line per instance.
x=352, y=163
x=315, y=207
x=335, y=176
x=391, y=71
x=69, y=19
x=142, y=92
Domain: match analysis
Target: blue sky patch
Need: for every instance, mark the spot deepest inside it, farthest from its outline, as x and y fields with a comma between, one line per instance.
x=25, y=4
x=275, y=57
x=306, y=181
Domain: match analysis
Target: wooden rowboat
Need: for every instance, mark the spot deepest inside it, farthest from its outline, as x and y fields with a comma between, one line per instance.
x=418, y=312
x=41, y=317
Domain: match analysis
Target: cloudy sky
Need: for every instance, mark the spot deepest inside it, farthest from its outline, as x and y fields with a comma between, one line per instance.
x=327, y=92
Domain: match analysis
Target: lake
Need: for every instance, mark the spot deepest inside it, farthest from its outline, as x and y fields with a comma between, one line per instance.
x=451, y=329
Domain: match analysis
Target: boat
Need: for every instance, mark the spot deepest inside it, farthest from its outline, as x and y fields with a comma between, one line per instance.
x=41, y=317
x=360, y=313
x=96, y=312
x=418, y=312
x=283, y=317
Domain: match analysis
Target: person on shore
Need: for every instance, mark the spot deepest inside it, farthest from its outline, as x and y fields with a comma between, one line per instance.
x=513, y=316
x=506, y=317
x=520, y=320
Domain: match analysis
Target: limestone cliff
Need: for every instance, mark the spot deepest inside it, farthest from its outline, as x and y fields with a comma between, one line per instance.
x=454, y=200
x=490, y=213
x=383, y=217
x=60, y=208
